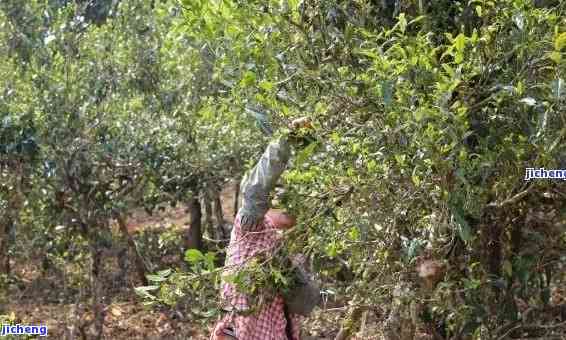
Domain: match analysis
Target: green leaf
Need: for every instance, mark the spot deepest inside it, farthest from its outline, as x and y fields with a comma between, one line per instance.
x=193, y=256
x=248, y=79
x=449, y=70
x=418, y=114
x=400, y=159
x=305, y=154
x=354, y=234
x=144, y=291
x=417, y=19
x=372, y=165
x=369, y=53
x=195, y=285
x=471, y=283
x=560, y=41
x=208, y=314
x=278, y=277
x=416, y=180
x=155, y=278
x=230, y=278
x=332, y=249
x=555, y=56
x=209, y=259
x=266, y=85
x=528, y=101
x=402, y=22
x=459, y=58
x=335, y=137
x=519, y=20
x=464, y=230
x=165, y=272
x=460, y=42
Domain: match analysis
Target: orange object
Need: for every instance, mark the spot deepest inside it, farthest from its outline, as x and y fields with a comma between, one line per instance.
x=303, y=122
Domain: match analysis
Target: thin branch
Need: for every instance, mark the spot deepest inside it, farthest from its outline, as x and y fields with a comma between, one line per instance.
x=513, y=199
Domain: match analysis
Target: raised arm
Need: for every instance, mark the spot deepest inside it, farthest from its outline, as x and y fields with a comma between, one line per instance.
x=258, y=183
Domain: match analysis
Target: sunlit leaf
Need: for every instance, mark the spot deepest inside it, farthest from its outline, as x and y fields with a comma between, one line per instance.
x=529, y=101
x=193, y=256
x=560, y=41
x=305, y=154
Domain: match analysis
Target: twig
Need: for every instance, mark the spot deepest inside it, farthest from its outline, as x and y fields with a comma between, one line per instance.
x=519, y=326
x=206, y=238
x=513, y=199
x=508, y=332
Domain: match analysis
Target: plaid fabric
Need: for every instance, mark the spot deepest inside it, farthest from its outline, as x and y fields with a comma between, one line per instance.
x=268, y=323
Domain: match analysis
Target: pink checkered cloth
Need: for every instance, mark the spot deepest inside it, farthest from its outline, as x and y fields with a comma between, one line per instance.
x=269, y=323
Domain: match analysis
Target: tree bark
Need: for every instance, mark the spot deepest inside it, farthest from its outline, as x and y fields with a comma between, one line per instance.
x=491, y=226
x=97, y=290
x=207, y=206
x=193, y=237
x=4, y=261
x=138, y=260
x=5, y=229
x=219, y=215
x=236, y=198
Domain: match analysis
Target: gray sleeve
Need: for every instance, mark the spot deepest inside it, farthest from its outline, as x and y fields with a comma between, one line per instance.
x=258, y=183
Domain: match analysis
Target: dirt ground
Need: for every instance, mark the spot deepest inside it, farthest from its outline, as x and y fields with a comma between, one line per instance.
x=178, y=216
x=41, y=298
x=130, y=320
x=127, y=318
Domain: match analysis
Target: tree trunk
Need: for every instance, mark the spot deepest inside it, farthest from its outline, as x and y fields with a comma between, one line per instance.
x=4, y=262
x=492, y=230
x=193, y=237
x=492, y=227
x=236, y=198
x=5, y=229
x=219, y=215
x=138, y=260
x=207, y=205
x=97, y=290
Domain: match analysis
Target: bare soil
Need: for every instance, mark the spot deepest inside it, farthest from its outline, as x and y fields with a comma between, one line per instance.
x=56, y=299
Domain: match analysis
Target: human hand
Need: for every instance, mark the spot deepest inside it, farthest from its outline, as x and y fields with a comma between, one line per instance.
x=303, y=122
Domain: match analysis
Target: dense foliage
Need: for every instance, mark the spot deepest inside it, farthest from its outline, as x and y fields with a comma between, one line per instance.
x=428, y=115
x=411, y=202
